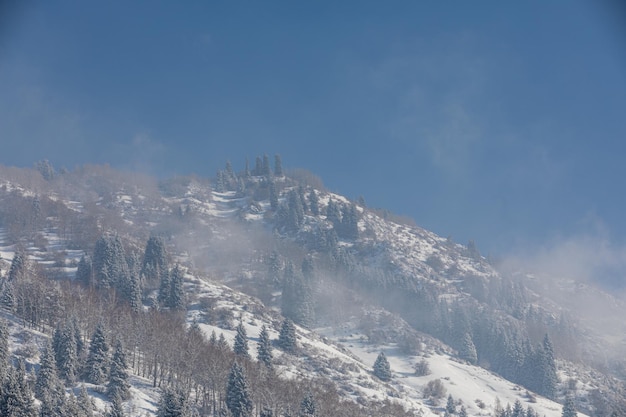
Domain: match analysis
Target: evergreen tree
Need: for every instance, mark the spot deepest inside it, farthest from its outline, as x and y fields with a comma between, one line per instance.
x=155, y=260
x=47, y=379
x=382, y=370
x=222, y=344
x=267, y=172
x=65, y=352
x=96, y=368
x=278, y=166
x=85, y=403
x=240, y=346
x=333, y=215
x=4, y=349
x=349, y=225
x=116, y=409
x=287, y=337
x=266, y=412
x=314, y=203
x=177, y=299
x=16, y=399
x=463, y=411
x=307, y=406
x=275, y=268
x=546, y=363
x=165, y=287
x=246, y=171
x=297, y=297
x=258, y=167
x=8, y=295
x=569, y=408
x=84, y=272
x=273, y=195
x=302, y=197
x=468, y=350
x=18, y=268
x=518, y=409
x=118, y=376
x=238, y=396
x=132, y=290
x=173, y=403
x=213, y=338
x=109, y=263
x=264, y=349
x=450, y=406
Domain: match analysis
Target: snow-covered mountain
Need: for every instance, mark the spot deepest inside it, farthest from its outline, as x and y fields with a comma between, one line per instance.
x=379, y=283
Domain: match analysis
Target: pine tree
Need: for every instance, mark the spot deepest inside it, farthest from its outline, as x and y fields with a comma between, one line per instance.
x=18, y=268
x=382, y=370
x=287, y=337
x=569, y=408
x=109, y=263
x=238, y=396
x=16, y=399
x=267, y=171
x=463, y=411
x=297, y=297
x=47, y=378
x=266, y=412
x=307, y=406
x=222, y=344
x=450, y=406
x=132, y=290
x=468, y=350
x=314, y=203
x=155, y=260
x=240, y=346
x=273, y=195
x=258, y=167
x=116, y=409
x=84, y=272
x=118, y=376
x=264, y=349
x=333, y=215
x=246, y=171
x=65, y=351
x=96, y=369
x=278, y=166
x=8, y=295
x=4, y=349
x=546, y=368
x=518, y=409
x=172, y=403
x=165, y=287
x=302, y=197
x=177, y=299
x=85, y=403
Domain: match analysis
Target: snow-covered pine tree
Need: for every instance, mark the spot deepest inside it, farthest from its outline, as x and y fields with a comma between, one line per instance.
x=307, y=406
x=96, y=368
x=19, y=266
x=450, y=406
x=264, y=348
x=109, y=262
x=47, y=379
x=115, y=410
x=238, y=395
x=65, y=351
x=173, y=403
x=165, y=286
x=177, y=299
x=278, y=166
x=314, y=203
x=569, y=408
x=468, y=350
x=240, y=345
x=287, y=337
x=84, y=272
x=16, y=398
x=4, y=349
x=382, y=369
x=118, y=385
x=85, y=403
x=297, y=297
x=155, y=260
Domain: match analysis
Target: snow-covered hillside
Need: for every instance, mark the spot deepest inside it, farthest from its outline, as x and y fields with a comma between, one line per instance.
x=223, y=239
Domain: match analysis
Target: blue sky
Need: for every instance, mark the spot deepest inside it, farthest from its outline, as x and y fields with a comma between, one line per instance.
x=502, y=122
